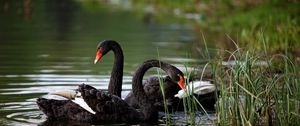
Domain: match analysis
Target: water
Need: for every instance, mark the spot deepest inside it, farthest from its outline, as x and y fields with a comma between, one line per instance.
x=50, y=45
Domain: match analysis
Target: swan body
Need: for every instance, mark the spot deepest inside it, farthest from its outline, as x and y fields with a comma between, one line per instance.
x=153, y=90
x=75, y=97
x=75, y=108
x=145, y=102
x=104, y=107
x=108, y=107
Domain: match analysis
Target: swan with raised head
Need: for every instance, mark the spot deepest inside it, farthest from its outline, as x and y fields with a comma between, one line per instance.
x=61, y=109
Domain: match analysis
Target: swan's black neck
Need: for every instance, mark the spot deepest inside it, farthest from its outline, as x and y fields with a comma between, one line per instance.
x=147, y=106
x=115, y=83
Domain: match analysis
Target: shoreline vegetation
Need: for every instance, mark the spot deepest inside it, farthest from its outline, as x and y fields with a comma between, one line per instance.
x=254, y=89
x=246, y=22
x=257, y=90
x=259, y=78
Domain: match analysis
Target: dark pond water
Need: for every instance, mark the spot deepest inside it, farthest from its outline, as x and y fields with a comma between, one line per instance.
x=50, y=45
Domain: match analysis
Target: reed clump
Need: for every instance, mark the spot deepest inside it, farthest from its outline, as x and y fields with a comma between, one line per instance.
x=257, y=89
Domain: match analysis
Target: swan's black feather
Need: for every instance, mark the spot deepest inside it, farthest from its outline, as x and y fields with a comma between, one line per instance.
x=64, y=109
x=108, y=107
x=153, y=91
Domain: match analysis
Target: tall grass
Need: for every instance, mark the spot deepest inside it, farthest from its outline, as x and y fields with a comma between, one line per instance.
x=161, y=85
x=167, y=113
x=257, y=90
x=191, y=105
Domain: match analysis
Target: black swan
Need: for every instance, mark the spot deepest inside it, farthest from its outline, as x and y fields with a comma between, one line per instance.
x=111, y=108
x=204, y=91
x=146, y=103
x=153, y=91
x=56, y=108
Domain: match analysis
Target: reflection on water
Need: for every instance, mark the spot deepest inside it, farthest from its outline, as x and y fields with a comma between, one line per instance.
x=54, y=47
x=44, y=83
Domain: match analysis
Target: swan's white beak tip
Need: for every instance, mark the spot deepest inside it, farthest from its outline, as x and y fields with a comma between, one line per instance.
x=180, y=94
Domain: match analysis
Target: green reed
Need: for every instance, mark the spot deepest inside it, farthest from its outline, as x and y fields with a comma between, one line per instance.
x=257, y=90
x=161, y=85
x=191, y=104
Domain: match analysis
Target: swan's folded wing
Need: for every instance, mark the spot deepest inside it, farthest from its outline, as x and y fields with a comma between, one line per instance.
x=63, y=109
x=107, y=106
x=86, y=92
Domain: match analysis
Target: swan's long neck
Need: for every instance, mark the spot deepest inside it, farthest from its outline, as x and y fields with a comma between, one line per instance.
x=147, y=106
x=115, y=83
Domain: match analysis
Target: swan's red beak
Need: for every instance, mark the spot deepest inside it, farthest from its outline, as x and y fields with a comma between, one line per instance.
x=98, y=56
x=181, y=82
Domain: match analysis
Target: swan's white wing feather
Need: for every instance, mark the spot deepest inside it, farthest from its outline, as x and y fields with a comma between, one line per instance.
x=204, y=89
x=75, y=97
x=198, y=87
x=83, y=104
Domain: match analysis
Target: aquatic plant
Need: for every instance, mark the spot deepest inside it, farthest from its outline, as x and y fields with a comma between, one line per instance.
x=256, y=90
